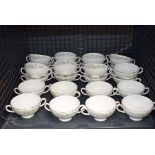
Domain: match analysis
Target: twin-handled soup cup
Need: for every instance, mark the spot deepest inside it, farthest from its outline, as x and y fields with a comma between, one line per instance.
x=64, y=107
x=99, y=88
x=64, y=88
x=38, y=58
x=36, y=70
x=32, y=86
x=25, y=105
x=130, y=87
x=136, y=107
x=100, y=107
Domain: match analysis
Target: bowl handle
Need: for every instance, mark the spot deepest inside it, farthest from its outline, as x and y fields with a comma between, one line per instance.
x=120, y=110
x=27, y=59
x=138, y=80
x=108, y=77
x=43, y=102
x=83, y=80
x=8, y=109
x=78, y=77
x=79, y=59
x=46, y=90
x=22, y=70
x=23, y=78
x=140, y=70
x=16, y=90
x=84, y=111
x=81, y=70
x=115, y=92
x=146, y=91
x=108, y=58
x=80, y=107
x=83, y=91
x=51, y=77
x=47, y=106
x=78, y=94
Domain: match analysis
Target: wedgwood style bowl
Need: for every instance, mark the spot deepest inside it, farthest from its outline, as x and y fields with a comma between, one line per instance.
x=25, y=105
x=100, y=107
x=86, y=78
x=44, y=79
x=130, y=87
x=32, y=86
x=36, y=70
x=64, y=88
x=99, y=88
x=136, y=107
x=117, y=58
x=117, y=80
x=127, y=70
x=95, y=70
x=64, y=107
x=93, y=58
x=38, y=58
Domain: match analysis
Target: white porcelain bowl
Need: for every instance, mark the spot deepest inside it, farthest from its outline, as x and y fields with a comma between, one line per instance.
x=117, y=58
x=36, y=70
x=93, y=58
x=64, y=88
x=44, y=79
x=64, y=107
x=98, y=88
x=38, y=58
x=32, y=86
x=95, y=70
x=136, y=106
x=25, y=105
x=100, y=107
x=127, y=70
x=130, y=87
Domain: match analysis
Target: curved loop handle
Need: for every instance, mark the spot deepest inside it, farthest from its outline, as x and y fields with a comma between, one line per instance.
x=108, y=58
x=50, y=77
x=83, y=80
x=84, y=111
x=23, y=78
x=108, y=77
x=120, y=110
x=52, y=60
x=47, y=106
x=43, y=102
x=77, y=94
x=83, y=91
x=22, y=70
x=114, y=92
x=81, y=70
x=146, y=91
x=79, y=60
x=140, y=70
x=80, y=107
x=16, y=90
x=9, y=108
x=138, y=80
x=78, y=77
x=46, y=90
x=110, y=70
x=133, y=61
x=27, y=59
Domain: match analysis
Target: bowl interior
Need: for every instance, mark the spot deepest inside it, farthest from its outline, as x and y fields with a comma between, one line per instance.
x=119, y=57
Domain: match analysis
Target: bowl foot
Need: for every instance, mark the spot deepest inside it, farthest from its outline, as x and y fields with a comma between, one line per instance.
x=135, y=119
x=65, y=120
x=100, y=119
x=27, y=117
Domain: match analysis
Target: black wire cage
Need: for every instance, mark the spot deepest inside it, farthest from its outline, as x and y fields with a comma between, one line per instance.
x=16, y=42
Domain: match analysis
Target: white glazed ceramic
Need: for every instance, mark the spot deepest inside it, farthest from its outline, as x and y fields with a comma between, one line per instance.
x=117, y=80
x=32, y=86
x=25, y=105
x=136, y=106
x=64, y=88
x=36, y=70
x=130, y=87
x=100, y=107
x=98, y=88
x=38, y=58
x=93, y=58
x=64, y=107
x=86, y=78
x=61, y=56
x=117, y=58
x=65, y=67
x=127, y=70
x=70, y=77
x=95, y=70
x=44, y=79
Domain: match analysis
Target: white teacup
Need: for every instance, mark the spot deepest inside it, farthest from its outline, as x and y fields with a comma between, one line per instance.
x=25, y=105
x=64, y=88
x=36, y=70
x=136, y=106
x=38, y=58
x=117, y=58
x=93, y=58
x=131, y=87
x=100, y=107
x=64, y=107
x=32, y=86
x=98, y=88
